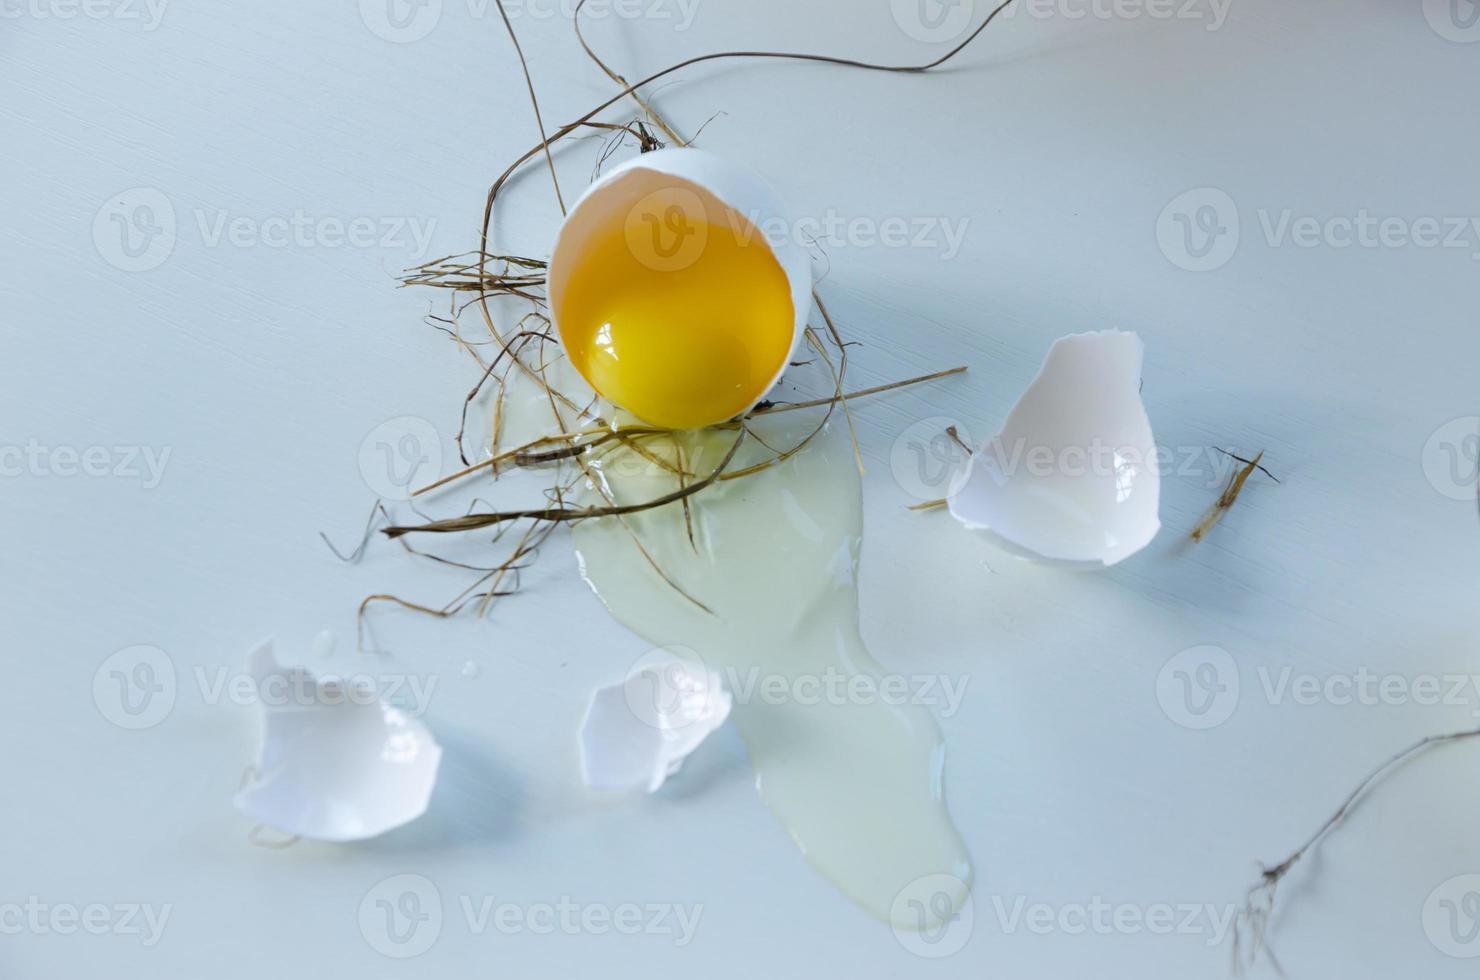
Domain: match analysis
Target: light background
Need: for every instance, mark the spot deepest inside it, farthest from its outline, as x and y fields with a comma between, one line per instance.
x=262, y=370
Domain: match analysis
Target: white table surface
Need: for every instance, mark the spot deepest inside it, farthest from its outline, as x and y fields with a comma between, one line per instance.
x=261, y=368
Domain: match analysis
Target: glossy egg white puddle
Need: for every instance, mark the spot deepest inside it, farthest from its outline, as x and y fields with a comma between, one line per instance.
x=858, y=783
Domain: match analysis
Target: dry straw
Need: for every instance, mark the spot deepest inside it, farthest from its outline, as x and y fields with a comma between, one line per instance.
x=482, y=277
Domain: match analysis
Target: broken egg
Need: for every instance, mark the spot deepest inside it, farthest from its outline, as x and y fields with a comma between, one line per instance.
x=336, y=762
x=666, y=295
x=765, y=589
x=638, y=733
x=1072, y=478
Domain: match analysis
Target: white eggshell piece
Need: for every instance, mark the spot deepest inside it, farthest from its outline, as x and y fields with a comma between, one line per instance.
x=720, y=184
x=1072, y=477
x=636, y=734
x=336, y=763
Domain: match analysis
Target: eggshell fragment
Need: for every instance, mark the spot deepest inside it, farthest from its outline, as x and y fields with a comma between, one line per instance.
x=636, y=734
x=690, y=180
x=1072, y=477
x=336, y=763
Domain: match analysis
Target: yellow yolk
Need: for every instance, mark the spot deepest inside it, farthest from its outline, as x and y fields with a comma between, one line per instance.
x=682, y=330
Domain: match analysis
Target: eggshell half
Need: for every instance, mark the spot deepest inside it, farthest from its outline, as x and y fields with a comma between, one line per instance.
x=689, y=178
x=337, y=765
x=1072, y=477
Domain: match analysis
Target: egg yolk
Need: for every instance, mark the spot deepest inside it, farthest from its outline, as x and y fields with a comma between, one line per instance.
x=684, y=325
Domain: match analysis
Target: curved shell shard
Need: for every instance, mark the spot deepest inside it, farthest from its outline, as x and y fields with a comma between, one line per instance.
x=1072, y=477
x=336, y=762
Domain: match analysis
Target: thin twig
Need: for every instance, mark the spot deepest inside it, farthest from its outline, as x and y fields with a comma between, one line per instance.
x=472, y=522
x=1252, y=924
x=1229, y=496
x=534, y=101
x=876, y=389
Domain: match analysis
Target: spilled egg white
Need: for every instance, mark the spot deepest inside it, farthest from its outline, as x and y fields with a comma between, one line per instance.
x=681, y=188
x=1096, y=501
